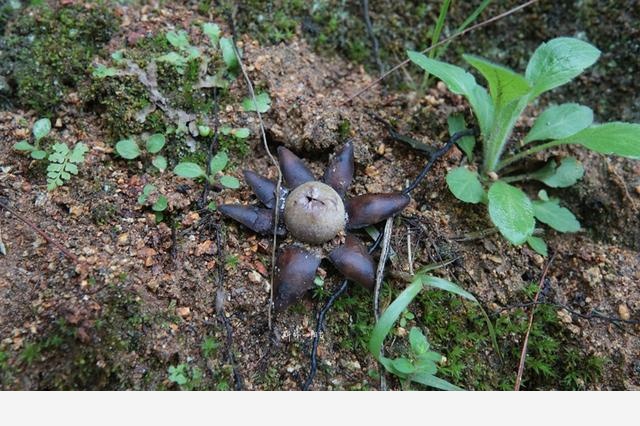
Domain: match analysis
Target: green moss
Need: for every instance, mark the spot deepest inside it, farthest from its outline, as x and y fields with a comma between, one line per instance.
x=49, y=51
x=457, y=330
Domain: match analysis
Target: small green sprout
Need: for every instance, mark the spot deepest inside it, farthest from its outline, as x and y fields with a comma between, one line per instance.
x=129, y=150
x=63, y=163
x=216, y=165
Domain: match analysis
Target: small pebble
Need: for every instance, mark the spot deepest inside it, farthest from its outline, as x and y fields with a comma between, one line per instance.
x=624, y=313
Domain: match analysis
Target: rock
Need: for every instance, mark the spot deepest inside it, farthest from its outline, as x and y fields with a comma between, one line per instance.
x=623, y=311
x=183, y=312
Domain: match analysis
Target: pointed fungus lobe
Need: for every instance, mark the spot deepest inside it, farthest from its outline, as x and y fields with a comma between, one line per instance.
x=293, y=168
x=368, y=209
x=354, y=262
x=314, y=213
x=255, y=218
x=339, y=174
x=294, y=275
x=264, y=188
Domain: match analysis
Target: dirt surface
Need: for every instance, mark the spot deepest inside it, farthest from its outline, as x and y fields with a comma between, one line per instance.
x=145, y=295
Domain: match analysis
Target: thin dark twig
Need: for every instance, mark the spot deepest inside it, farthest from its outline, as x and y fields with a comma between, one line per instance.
x=220, y=298
x=433, y=46
x=213, y=147
x=40, y=232
x=316, y=338
x=313, y=369
x=435, y=156
x=399, y=137
x=372, y=36
x=276, y=207
x=523, y=354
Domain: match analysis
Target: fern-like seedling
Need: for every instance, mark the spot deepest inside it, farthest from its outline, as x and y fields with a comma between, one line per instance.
x=63, y=163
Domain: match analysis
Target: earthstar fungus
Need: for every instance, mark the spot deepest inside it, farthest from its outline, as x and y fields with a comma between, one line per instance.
x=315, y=213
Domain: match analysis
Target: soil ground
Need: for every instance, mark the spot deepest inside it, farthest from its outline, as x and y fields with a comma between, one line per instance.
x=145, y=297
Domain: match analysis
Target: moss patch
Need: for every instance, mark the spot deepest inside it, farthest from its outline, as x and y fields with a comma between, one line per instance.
x=48, y=51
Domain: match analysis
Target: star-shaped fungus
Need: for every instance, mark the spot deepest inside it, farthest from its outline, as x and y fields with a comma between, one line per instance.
x=319, y=220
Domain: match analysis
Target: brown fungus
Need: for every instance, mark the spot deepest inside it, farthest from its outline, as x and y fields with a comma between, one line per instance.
x=315, y=212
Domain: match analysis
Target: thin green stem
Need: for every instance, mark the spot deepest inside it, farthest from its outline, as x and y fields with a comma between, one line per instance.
x=528, y=152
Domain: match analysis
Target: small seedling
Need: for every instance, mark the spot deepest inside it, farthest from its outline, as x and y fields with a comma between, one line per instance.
x=420, y=365
x=129, y=150
x=209, y=347
x=40, y=130
x=180, y=375
x=63, y=162
x=553, y=64
x=216, y=165
x=161, y=202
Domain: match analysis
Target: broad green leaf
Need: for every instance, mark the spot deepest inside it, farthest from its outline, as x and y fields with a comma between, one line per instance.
x=41, y=128
x=189, y=170
x=155, y=143
x=538, y=245
x=559, y=61
x=426, y=365
x=128, y=149
x=568, y=173
x=161, y=204
x=229, y=54
x=560, y=121
x=160, y=163
x=403, y=366
x=615, y=138
x=511, y=211
x=204, y=131
x=229, y=182
x=241, y=133
x=434, y=382
x=559, y=218
x=418, y=341
x=102, y=71
x=178, y=39
x=462, y=83
x=218, y=162
x=456, y=124
x=445, y=285
x=38, y=154
x=464, y=184
x=23, y=146
x=261, y=104
x=212, y=31
x=505, y=85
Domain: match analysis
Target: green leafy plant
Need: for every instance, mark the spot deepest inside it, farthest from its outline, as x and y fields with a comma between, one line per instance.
x=161, y=202
x=216, y=165
x=497, y=111
x=63, y=162
x=185, y=379
x=40, y=130
x=129, y=150
x=420, y=366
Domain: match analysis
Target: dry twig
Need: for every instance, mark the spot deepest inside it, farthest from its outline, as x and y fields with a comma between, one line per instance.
x=40, y=232
x=523, y=354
